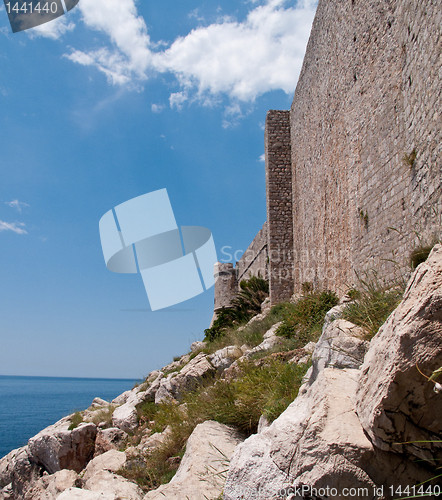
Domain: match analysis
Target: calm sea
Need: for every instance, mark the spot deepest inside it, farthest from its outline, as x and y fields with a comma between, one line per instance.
x=29, y=404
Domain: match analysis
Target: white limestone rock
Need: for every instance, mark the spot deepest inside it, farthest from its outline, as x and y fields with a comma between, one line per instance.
x=108, y=484
x=317, y=441
x=58, y=448
x=186, y=379
x=111, y=461
x=341, y=345
x=199, y=476
x=333, y=314
x=197, y=346
x=49, y=487
x=270, y=341
x=165, y=391
x=125, y=417
x=396, y=404
x=109, y=439
x=121, y=399
x=224, y=357
x=79, y=494
x=99, y=403
x=151, y=442
x=18, y=472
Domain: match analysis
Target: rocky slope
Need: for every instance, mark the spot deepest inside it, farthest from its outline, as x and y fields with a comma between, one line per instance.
x=366, y=418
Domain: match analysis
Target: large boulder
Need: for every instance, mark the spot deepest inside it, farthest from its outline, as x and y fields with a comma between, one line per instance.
x=125, y=417
x=109, y=439
x=201, y=473
x=49, y=487
x=57, y=447
x=107, y=483
x=397, y=405
x=224, y=357
x=319, y=442
x=111, y=461
x=341, y=345
x=173, y=386
x=18, y=472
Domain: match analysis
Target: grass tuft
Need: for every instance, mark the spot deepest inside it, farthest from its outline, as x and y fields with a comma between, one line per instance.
x=76, y=420
x=306, y=316
x=374, y=303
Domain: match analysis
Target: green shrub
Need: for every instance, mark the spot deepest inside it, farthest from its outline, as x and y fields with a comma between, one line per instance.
x=252, y=334
x=265, y=389
x=104, y=415
x=305, y=317
x=76, y=420
x=376, y=301
x=247, y=303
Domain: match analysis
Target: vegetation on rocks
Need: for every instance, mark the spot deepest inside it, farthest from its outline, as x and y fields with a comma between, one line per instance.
x=76, y=420
x=258, y=389
x=246, y=304
x=305, y=317
x=374, y=301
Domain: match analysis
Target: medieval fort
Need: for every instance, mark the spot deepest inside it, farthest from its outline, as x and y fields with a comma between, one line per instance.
x=353, y=169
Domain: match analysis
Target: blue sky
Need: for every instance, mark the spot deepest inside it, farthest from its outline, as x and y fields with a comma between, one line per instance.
x=114, y=100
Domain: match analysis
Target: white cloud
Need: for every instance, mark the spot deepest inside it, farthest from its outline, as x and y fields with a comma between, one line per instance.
x=18, y=205
x=177, y=99
x=16, y=227
x=239, y=59
x=262, y=157
x=130, y=56
x=243, y=60
x=53, y=29
x=157, y=108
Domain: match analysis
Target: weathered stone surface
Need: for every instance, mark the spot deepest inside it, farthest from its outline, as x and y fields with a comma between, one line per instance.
x=151, y=391
x=165, y=391
x=49, y=487
x=151, y=442
x=58, y=448
x=207, y=453
x=262, y=424
x=270, y=340
x=333, y=314
x=108, y=483
x=98, y=403
x=318, y=441
x=125, y=417
x=197, y=346
x=186, y=379
x=396, y=404
x=78, y=494
x=341, y=345
x=223, y=358
x=18, y=472
x=7, y=493
x=109, y=439
x=111, y=461
x=121, y=399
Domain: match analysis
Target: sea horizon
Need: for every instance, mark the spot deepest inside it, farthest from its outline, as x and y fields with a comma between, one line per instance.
x=32, y=403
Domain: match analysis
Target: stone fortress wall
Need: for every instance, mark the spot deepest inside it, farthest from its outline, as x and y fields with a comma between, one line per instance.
x=354, y=169
x=254, y=262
